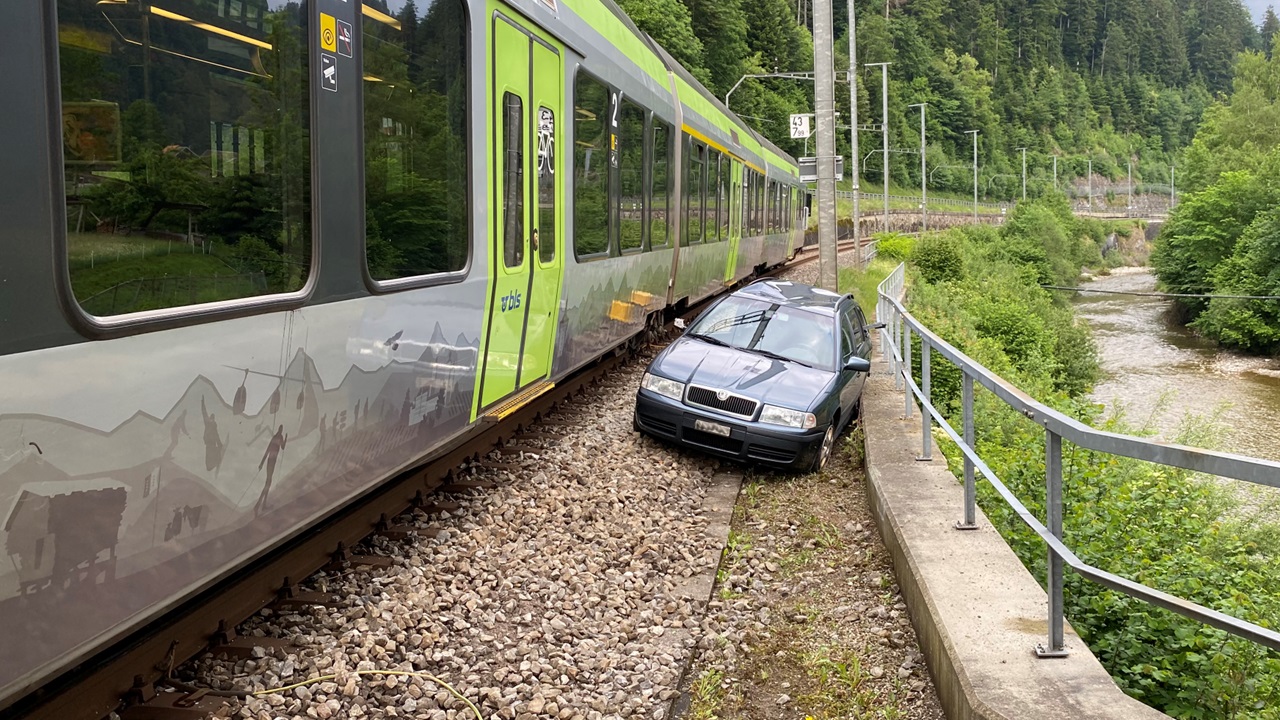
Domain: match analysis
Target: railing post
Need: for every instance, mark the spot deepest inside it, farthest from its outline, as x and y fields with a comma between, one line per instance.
x=926, y=420
x=1053, y=512
x=882, y=315
x=897, y=339
x=906, y=371
x=970, y=521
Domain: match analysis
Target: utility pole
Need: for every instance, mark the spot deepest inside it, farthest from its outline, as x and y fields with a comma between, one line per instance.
x=975, y=172
x=924, y=196
x=1024, y=173
x=1090, y=186
x=884, y=131
x=1128, y=210
x=854, y=157
x=824, y=97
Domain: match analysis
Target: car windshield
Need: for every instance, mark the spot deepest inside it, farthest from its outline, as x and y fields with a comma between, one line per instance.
x=772, y=330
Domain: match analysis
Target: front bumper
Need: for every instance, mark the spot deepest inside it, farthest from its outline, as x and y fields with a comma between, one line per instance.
x=748, y=441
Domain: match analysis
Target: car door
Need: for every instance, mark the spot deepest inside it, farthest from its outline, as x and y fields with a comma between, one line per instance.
x=853, y=343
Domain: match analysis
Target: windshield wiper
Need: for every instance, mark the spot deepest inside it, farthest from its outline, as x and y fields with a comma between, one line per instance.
x=708, y=338
x=776, y=356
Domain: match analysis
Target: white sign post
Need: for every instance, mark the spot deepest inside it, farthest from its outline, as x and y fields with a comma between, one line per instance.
x=800, y=127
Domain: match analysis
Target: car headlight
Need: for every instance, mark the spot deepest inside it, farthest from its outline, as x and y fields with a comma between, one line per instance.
x=663, y=386
x=775, y=415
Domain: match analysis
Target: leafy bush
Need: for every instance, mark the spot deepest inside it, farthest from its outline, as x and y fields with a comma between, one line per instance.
x=1159, y=526
x=939, y=258
x=895, y=246
x=1164, y=528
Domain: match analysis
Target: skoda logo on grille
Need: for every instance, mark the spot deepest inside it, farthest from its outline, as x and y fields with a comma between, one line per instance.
x=722, y=395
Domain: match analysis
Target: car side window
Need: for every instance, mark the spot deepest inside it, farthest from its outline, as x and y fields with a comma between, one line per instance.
x=848, y=336
x=860, y=325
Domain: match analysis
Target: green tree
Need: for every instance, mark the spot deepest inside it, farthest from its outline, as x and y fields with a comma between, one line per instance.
x=1270, y=26
x=722, y=28
x=669, y=22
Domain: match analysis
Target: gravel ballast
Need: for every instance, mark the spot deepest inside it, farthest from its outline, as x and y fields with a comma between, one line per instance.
x=554, y=595
x=564, y=592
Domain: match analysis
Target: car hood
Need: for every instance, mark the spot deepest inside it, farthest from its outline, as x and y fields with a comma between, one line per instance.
x=775, y=382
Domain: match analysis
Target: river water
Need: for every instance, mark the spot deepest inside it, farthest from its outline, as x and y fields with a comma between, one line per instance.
x=1161, y=372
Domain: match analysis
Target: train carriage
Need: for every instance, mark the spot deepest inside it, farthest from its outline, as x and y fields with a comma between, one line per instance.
x=260, y=256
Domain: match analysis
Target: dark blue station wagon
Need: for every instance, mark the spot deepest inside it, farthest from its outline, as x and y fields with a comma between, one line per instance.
x=772, y=373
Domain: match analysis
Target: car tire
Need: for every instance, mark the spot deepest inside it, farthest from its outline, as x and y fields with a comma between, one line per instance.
x=825, y=450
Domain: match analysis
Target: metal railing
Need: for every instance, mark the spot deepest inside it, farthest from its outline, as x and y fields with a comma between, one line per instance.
x=895, y=346
x=939, y=200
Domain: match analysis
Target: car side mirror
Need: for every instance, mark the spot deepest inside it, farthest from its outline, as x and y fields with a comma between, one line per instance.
x=874, y=326
x=679, y=323
x=858, y=364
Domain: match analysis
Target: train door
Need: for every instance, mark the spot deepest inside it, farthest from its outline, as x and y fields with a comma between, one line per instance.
x=525, y=238
x=735, y=226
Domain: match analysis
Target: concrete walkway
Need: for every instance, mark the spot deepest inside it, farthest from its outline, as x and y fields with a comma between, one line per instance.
x=977, y=611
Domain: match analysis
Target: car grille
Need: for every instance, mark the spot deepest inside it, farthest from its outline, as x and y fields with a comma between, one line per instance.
x=734, y=404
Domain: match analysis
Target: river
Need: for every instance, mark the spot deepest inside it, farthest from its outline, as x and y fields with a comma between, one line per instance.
x=1149, y=360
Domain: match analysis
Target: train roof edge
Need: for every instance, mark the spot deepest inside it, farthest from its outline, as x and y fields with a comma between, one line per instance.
x=766, y=147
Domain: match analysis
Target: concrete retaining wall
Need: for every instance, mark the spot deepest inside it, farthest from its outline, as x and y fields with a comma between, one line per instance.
x=977, y=611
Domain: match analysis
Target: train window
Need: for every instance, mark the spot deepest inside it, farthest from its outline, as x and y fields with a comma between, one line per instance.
x=660, y=186
x=726, y=202
x=713, y=196
x=546, y=229
x=759, y=205
x=748, y=185
x=187, y=164
x=696, y=193
x=415, y=141
x=512, y=180
x=777, y=207
x=771, y=208
x=590, y=167
x=631, y=177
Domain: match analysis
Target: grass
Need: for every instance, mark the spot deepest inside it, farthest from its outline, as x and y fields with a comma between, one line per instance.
x=824, y=534
x=737, y=549
x=938, y=200
x=863, y=283
x=830, y=663
x=706, y=696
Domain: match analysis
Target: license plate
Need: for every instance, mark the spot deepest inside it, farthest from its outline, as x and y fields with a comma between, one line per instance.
x=713, y=428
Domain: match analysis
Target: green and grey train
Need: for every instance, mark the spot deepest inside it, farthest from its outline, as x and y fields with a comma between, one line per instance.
x=254, y=262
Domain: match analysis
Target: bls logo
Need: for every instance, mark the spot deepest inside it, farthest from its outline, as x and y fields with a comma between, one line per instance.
x=511, y=301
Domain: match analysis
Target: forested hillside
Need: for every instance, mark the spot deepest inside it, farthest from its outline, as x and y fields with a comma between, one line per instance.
x=1103, y=79
x=1224, y=238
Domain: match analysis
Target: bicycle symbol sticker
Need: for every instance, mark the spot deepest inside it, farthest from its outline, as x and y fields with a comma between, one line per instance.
x=546, y=142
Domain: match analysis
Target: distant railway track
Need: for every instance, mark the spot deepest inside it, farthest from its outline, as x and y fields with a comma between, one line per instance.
x=125, y=676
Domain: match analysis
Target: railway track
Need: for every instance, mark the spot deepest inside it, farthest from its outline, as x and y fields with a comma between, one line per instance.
x=125, y=678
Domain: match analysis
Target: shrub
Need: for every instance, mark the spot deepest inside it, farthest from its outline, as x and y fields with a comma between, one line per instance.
x=939, y=258
x=895, y=246
x=1157, y=525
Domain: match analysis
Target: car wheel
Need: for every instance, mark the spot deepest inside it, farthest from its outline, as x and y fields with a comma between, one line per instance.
x=824, y=452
